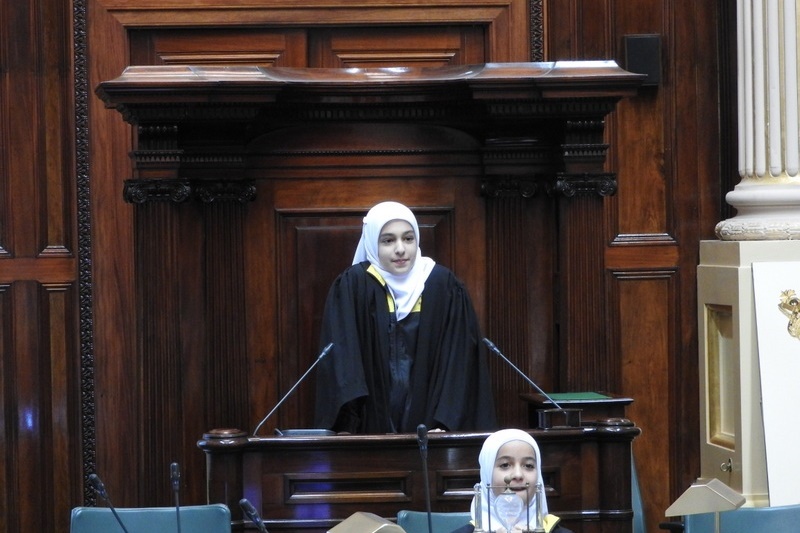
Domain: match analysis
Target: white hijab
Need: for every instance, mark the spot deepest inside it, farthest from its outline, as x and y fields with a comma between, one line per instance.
x=407, y=288
x=486, y=459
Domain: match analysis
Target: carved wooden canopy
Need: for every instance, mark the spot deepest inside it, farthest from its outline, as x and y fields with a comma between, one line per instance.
x=535, y=126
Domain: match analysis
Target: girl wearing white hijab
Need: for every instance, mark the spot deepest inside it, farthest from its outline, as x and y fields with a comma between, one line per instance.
x=405, y=288
x=405, y=337
x=510, y=458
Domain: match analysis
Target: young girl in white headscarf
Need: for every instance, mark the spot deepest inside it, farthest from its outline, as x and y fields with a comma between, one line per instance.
x=510, y=462
x=406, y=343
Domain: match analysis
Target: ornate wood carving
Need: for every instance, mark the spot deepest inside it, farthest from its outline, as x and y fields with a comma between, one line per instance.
x=143, y=191
x=536, y=119
x=569, y=185
x=81, y=96
x=178, y=191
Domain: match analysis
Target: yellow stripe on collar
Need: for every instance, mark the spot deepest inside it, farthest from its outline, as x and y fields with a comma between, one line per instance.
x=375, y=274
x=389, y=300
x=550, y=522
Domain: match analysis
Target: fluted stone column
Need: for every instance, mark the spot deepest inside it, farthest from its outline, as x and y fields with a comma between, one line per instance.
x=767, y=199
x=734, y=445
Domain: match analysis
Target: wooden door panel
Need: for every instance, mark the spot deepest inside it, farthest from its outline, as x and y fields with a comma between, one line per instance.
x=341, y=47
x=419, y=46
x=266, y=47
x=320, y=184
x=316, y=244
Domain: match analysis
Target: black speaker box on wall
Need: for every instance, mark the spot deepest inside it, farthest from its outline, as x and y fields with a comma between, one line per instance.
x=643, y=56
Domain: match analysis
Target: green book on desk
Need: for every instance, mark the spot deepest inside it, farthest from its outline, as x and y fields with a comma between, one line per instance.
x=594, y=405
x=579, y=396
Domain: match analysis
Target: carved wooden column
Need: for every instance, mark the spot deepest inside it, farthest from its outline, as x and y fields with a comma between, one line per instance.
x=565, y=163
x=581, y=186
x=189, y=282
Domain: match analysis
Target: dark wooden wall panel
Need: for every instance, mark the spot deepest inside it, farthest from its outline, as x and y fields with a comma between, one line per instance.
x=433, y=46
x=266, y=47
x=646, y=305
x=643, y=217
x=316, y=244
x=194, y=355
x=58, y=301
x=157, y=383
x=264, y=304
x=226, y=400
x=591, y=366
x=645, y=162
x=115, y=337
x=6, y=443
x=674, y=165
x=702, y=165
x=40, y=420
x=521, y=322
x=40, y=386
x=665, y=147
x=317, y=241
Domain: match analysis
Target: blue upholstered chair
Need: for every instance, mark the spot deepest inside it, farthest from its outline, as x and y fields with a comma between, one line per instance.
x=639, y=522
x=215, y=518
x=782, y=519
x=417, y=521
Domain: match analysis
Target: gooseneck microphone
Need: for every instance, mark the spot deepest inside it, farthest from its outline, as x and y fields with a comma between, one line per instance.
x=100, y=489
x=252, y=514
x=497, y=351
x=175, y=478
x=322, y=354
x=422, y=440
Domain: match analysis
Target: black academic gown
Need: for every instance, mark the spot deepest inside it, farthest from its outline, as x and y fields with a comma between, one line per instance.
x=449, y=382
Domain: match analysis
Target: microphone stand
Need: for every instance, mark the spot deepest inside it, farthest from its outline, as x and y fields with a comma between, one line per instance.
x=478, y=508
x=175, y=477
x=252, y=514
x=100, y=489
x=539, y=527
x=321, y=355
x=497, y=351
x=422, y=439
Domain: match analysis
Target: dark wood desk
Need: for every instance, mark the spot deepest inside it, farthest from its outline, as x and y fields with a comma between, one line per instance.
x=593, y=406
x=310, y=484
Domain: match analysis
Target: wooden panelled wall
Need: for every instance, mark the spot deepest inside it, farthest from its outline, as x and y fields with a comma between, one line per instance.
x=71, y=342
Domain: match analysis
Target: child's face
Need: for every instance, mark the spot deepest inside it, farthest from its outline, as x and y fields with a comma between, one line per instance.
x=516, y=466
x=397, y=247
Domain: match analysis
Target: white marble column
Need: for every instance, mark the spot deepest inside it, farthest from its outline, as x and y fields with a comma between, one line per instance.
x=734, y=438
x=767, y=199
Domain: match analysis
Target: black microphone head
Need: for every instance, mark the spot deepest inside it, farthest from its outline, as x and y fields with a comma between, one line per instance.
x=175, y=476
x=252, y=514
x=97, y=485
x=325, y=350
x=422, y=436
x=247, y=507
